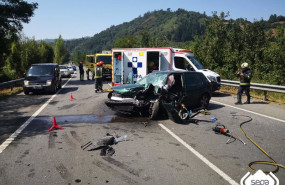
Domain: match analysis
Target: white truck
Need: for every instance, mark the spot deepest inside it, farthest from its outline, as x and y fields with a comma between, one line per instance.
x=131, y=64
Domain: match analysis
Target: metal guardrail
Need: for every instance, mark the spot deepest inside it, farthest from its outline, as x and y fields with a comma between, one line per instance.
x=11, y=84
x=263, y=87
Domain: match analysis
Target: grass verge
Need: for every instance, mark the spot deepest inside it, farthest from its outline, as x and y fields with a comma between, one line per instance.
x=278, y=98
x=8, y=92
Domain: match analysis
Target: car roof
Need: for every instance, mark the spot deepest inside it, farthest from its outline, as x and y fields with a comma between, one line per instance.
x=174, y=72
x=45, y=64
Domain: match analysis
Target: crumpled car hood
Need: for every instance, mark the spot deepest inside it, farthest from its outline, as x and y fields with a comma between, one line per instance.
x=128, y=89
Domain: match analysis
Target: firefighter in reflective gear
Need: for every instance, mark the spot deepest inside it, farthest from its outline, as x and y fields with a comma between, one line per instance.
x=245, y=77
x=99, y=77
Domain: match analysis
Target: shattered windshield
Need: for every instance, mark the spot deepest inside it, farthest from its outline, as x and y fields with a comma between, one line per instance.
x=156, y=79
x=195, y=62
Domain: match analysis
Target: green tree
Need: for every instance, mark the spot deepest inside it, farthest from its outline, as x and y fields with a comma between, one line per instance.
x=78, y=56
x=60, y=52
x=144, y=39
x=12, y=14
x=210, y=49
x=30, y=53
x=46, y=52
x=129, y=41
x=12, y=68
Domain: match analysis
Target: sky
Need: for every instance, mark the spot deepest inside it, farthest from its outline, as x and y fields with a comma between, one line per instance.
x=74, y=19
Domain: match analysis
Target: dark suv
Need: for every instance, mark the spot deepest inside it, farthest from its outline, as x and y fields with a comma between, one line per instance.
x=42, y=77
x=168, y=90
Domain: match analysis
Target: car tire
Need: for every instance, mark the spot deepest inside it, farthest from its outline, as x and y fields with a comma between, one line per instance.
x=59, y=85
x=204, y=101
x=154, y=110
x=53, y=91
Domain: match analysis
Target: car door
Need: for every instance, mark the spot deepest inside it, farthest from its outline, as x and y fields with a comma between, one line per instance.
x=192, y=89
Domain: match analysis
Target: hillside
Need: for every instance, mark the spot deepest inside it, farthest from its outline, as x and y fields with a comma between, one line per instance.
x=177, y=26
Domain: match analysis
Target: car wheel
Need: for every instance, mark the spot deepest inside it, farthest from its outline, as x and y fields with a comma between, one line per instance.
x=59, y=85
x=53, y=91
x=110, y=95
x=154, y=110
x=204, y=101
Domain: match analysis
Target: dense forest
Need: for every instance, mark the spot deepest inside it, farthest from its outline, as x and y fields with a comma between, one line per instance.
x=219, y=43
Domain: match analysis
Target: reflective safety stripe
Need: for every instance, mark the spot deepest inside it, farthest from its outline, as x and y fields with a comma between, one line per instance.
x=244, y=83
x=98, y=72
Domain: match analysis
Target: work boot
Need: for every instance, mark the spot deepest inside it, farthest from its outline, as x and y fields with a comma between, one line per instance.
x=238, y=101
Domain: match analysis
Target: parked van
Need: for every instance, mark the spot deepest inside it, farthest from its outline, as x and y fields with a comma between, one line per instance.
x=42, y=77
x=131, y=64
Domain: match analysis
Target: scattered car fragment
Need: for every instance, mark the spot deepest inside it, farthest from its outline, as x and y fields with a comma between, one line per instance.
x=159, y=91
x=104, y=144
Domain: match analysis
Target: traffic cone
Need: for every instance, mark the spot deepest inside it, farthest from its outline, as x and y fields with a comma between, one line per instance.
x=54, y=125
x=71, y=97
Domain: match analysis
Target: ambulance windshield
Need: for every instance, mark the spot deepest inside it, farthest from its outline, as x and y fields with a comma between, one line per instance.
x=105, y=59
x=195, y=62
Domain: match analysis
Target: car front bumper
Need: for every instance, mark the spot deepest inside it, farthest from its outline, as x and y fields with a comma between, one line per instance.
x=32, y=88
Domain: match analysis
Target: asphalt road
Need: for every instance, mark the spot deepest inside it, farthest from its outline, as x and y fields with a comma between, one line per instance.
x=156, y=152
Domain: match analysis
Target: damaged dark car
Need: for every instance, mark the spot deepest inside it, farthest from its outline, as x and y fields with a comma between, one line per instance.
x=158, y=92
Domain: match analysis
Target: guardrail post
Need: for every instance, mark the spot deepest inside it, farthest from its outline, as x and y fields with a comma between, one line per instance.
x=265, y=95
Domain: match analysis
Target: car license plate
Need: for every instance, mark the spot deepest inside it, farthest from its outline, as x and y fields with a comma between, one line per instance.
x=38, y=87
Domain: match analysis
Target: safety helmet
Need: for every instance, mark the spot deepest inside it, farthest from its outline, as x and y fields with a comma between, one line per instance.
x=101, y=63
x=244, y=65
x=119, y=57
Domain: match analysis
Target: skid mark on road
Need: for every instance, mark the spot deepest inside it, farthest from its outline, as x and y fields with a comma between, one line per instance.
x=63, y=172
x=114, y=172
x=51, y=139
x=75, y=136
x=122, y=166
x=8, y=141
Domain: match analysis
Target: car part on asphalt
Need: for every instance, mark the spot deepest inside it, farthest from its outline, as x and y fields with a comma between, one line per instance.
x=103, y=144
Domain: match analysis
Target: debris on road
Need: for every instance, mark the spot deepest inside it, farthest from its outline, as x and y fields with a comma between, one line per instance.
x=104, y=144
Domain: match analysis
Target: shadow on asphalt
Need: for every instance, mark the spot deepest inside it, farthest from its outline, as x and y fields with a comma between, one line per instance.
x=219, y=94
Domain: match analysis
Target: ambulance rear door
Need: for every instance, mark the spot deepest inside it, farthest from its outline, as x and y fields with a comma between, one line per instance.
x=117, y=67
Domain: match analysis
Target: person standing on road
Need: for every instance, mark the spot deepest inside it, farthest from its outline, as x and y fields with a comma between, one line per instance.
x=81, y=71
x=99, y=77
x=245, y=77
x=92, y=71
x=87, y=73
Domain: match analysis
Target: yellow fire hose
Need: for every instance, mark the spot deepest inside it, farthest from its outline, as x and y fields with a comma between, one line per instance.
x=273, y=163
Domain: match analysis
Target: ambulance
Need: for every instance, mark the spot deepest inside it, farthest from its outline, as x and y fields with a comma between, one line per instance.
x=131, y=64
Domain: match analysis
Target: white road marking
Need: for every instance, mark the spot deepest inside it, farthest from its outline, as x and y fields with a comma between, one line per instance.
x=201, y=157
x=8, y=141
x=276, y=119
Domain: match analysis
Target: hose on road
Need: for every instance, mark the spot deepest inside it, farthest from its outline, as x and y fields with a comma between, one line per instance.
x=273, y=163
